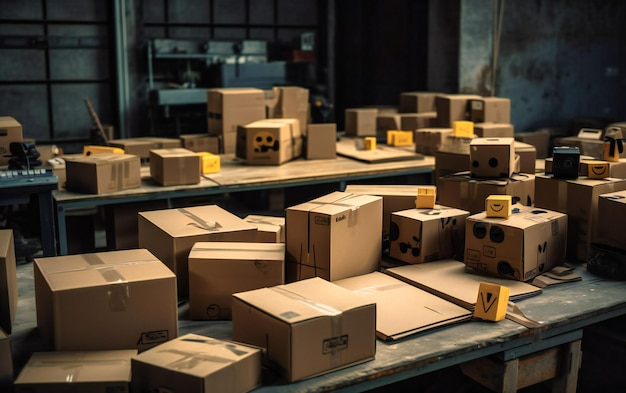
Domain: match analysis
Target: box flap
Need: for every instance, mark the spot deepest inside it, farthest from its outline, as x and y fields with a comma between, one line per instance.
x=238, y=251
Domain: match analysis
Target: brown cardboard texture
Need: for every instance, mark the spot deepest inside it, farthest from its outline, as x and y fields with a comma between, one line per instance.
x=494, y=130
x=107, y=300
x=269, y=229
x=6, y=360
x=528, y=243
x=451, y=107
x=273, y=141
x=361, y=121
x=386, y=122
x=492, y=157
x=171, y=167
x=490, y=109
x=308, y=328
x=428, y=140
x=339, y=234
x=102, y=173
x=171, y=233
x=426, y=235
x=121, y=222
x=197, y=364
x=141, y=146
x=229, y=107
x=76, y=371
x=465, y=192
x=10, y=131
x=201, y=142
x=219, y=269
x=612, y=215
x=415, y=121
x=540, y=139
x=417, y=101
x=8, y=281
x=321, y=141
x=394, y=297
x=293, y=103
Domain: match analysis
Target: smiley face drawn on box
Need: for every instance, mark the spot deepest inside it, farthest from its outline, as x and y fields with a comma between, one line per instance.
x=265, y=141
x=498, y=205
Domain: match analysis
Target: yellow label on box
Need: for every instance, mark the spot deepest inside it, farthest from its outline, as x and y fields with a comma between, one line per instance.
x=209, y=163
x=426, y=197
x=492, y=302
x=90, y=150
x=399, y=138
x=463, y=128
x=499, y=206
x=369, y=143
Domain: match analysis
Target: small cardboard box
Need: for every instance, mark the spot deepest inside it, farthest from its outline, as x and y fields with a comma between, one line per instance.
x=492, y=301
x=540, y=139
x=417, y=102
x=76, y=371
x=520, y=247
x=228, y=108
x=415, y=121
x=6, y=362
x=209, y=163
x=612, y=215
x=8, y=281
x=141, y=146
x=492, y=157
x=361, y=121
x=171, y=167
x=400, y=138
x=452, y=107
x=426, y=235
x=107, y=300
x=219, y=269
x=386, y=122
x=10, y=131
x=339, y=234
x=465, y=192
x=321, y=141
x=201, y=142
x=293, y=103
x=170, y=233
x=197, y=364
x=308, y=327
x=494, y=130
x=463, y=128
x=428, y=140
x=490, y=109
x=57, y=165
x=269, y=229
x=102, y=173
x=272, y=141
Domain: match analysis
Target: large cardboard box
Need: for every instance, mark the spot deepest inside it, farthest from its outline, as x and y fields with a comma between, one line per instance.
x=171, y=233
x=452, y=107
x=272, y=141
x=172, y=167
x=360, y=121
x=490, y=109
x=219, y=269
x=293, y=103
x=228, y=108
x=201, y=143
x=415, y=121
x=465, y=192
x=122, y=222
x=6, y=362
x=308, y=327
x=102, y=173
x=107, y=300
x=428, y=140
x=76, y=371
x=197, y=364
x=10, y=131
x=492, y=157
x=578, y=198
x=269, y=229
x=426, y=235
x=321, y=141
x=8, y=281
x=541, y=139
x=491, y=130
x=338, y=234
x=141, y=146
x=417, y=101
x=611, y=216
x=526, y=244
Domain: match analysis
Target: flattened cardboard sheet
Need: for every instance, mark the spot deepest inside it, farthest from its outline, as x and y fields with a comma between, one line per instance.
x=346, y=147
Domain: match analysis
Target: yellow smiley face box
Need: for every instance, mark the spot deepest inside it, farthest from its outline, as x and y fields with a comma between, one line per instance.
x=491, y=302
x=499, y=206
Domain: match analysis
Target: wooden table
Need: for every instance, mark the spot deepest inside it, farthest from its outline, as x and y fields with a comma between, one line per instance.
x=236, y=176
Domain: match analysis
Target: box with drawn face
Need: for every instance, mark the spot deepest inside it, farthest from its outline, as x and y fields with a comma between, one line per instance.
x=492, y=157
x=526, y=244
x=425, y=235
x=272, y=141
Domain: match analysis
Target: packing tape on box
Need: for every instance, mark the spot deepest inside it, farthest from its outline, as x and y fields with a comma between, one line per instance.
x=72, y=368
x=199, y=222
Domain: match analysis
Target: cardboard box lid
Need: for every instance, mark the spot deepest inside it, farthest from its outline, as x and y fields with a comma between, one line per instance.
x=197, y=220
x=237, y=91
x=8, y=121
x=336, y=202
x=402, y=309
x=527, y=217
x=238, y=251
x=617, y=197
x=103, y=268
x=67, y=367
x=197, y=355
x=100, y=159
x=383, y=190
x=303, y=300
x=438, y=212
x=173, y=152
x=265, y=222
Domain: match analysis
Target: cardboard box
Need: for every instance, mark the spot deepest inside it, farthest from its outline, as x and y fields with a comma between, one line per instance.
x=141, y=146
x=172, y=167
x=339, y=234
x=426, y=235
x=321, y=141
x=228, y=108
x=170, y=233
x=465, y=192
x=612, y=215
x=428, y=140
x=308, y=327
x=528, y=243
x=463, y=129
x=102, y=173
x=10, y=131
x=293, y=103
x=494, y=130
x=57, y=165
x=386, y=122
x=541, y=139
x=107, y=300
x=122, y=222
x=492, y=157
x=490, y=109
x=269, y=229
x=219, y=269
x=452, y=107
x=589, y=147
x=415, y=121
x=399, y=138
x=361, y=121
x=209, y=163
x=76, y=371
x=272, y=141
x=527, y=156
x=8, y=280
x=197, y=364
x=6, y=362
x=417, y=101
x=582, y=210
x=201, y=142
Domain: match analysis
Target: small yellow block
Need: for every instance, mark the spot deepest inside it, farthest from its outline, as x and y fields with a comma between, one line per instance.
x=596, y=169
x=463, y=128
x=90, y=150
x=606, y=152
x=369, y=143
x=492, y=302
x=399, y=138
x=426, y=197
x=499, y=206
x=209, y=162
